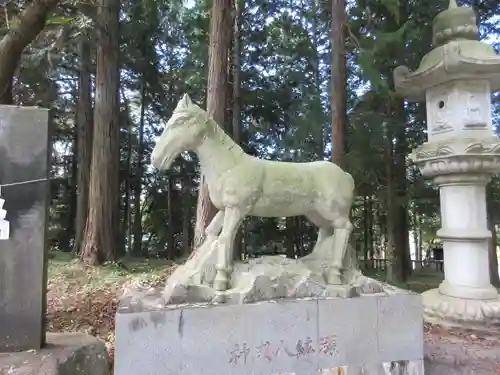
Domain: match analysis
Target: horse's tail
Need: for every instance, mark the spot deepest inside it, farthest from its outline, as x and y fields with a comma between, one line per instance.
x=350, y=265
x=350, y=180
x=350, y=187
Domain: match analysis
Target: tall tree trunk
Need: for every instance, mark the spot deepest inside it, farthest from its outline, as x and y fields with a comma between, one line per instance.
x=101, y=231
x=320, y=143
x=220, y=41
x=21, y=33
x=236, y=101
x=366, y=225
x=85, y=130
x=126, y=222
x=371, y=253
x=416, y=232
x=236, y=126
x=170, y=245
x=137, y=230
x=401, y=232
x=73, y=194
x=186, y=210
x=393, y=267
x=382, y=221
x=338, y=82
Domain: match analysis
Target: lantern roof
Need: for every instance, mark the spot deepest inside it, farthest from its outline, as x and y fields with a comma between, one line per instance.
x=457, y=54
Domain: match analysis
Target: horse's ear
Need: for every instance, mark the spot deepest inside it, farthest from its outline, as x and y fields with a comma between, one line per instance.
x=188, y=99
x=185, y=102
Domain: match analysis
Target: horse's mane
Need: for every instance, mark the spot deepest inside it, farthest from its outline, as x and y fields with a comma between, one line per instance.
x=213, y=130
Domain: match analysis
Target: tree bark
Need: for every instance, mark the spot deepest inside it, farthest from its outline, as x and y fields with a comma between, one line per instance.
x=126, y=223
x=236, y=126
x=317, y=76
x=101, y=238
x=73, y=193
x=393, y=266
x=366, y=224
x=236, y=101
x=137, y=246
x=401, y=232
x=85, y=129
x=171, y=250
x=220, y=42
x=186, y=211
x=22, y=32
x=338, y=82
x=371, y=253
x=416, y=235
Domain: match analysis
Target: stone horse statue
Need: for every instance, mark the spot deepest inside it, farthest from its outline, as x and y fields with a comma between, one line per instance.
x=241, y=185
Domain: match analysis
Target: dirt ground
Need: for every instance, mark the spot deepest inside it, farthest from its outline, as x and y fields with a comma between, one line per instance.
x=461, y=352
x=84, y=299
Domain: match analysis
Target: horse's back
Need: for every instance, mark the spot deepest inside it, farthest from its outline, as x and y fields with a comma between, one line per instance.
x=291, y=189
x=336, y=184
x=321, y=176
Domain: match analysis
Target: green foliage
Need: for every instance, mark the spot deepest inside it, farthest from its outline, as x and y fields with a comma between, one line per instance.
x=393, y=6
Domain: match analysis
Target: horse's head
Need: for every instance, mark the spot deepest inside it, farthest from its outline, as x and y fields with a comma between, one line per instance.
x=184, y=132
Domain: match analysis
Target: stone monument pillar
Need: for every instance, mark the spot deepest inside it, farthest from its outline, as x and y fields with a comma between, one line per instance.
x=456, y=80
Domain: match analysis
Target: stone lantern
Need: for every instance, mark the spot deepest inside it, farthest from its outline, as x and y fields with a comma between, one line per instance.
x=456, y=80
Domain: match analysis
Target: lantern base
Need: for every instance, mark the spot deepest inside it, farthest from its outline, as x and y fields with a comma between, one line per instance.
x=461, y=312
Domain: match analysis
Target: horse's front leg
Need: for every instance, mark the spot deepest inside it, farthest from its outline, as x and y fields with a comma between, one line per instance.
x=211, y=233
x=232, y=221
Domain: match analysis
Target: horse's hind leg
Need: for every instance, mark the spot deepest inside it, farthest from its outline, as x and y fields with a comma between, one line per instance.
x=341, y=235
x=342, y=232
x=232, y=220
x=324, y=232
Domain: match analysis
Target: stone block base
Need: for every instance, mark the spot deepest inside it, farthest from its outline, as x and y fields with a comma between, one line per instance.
x=389, y=368
x=65, y=354
x=467, y=313
x=368, y=335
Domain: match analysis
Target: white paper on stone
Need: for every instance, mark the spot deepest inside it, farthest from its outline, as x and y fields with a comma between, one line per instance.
x=242, y=185
x=4, y=229
x=4, y=224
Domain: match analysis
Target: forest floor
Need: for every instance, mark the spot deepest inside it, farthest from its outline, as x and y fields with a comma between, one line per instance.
x=84, y=299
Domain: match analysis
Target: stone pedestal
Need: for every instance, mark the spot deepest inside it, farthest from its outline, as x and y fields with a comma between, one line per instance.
x=294, y=336
x=466, y=296
x=465, y=236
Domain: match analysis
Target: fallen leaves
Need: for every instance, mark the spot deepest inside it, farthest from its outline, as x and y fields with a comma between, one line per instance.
x=84, y=298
